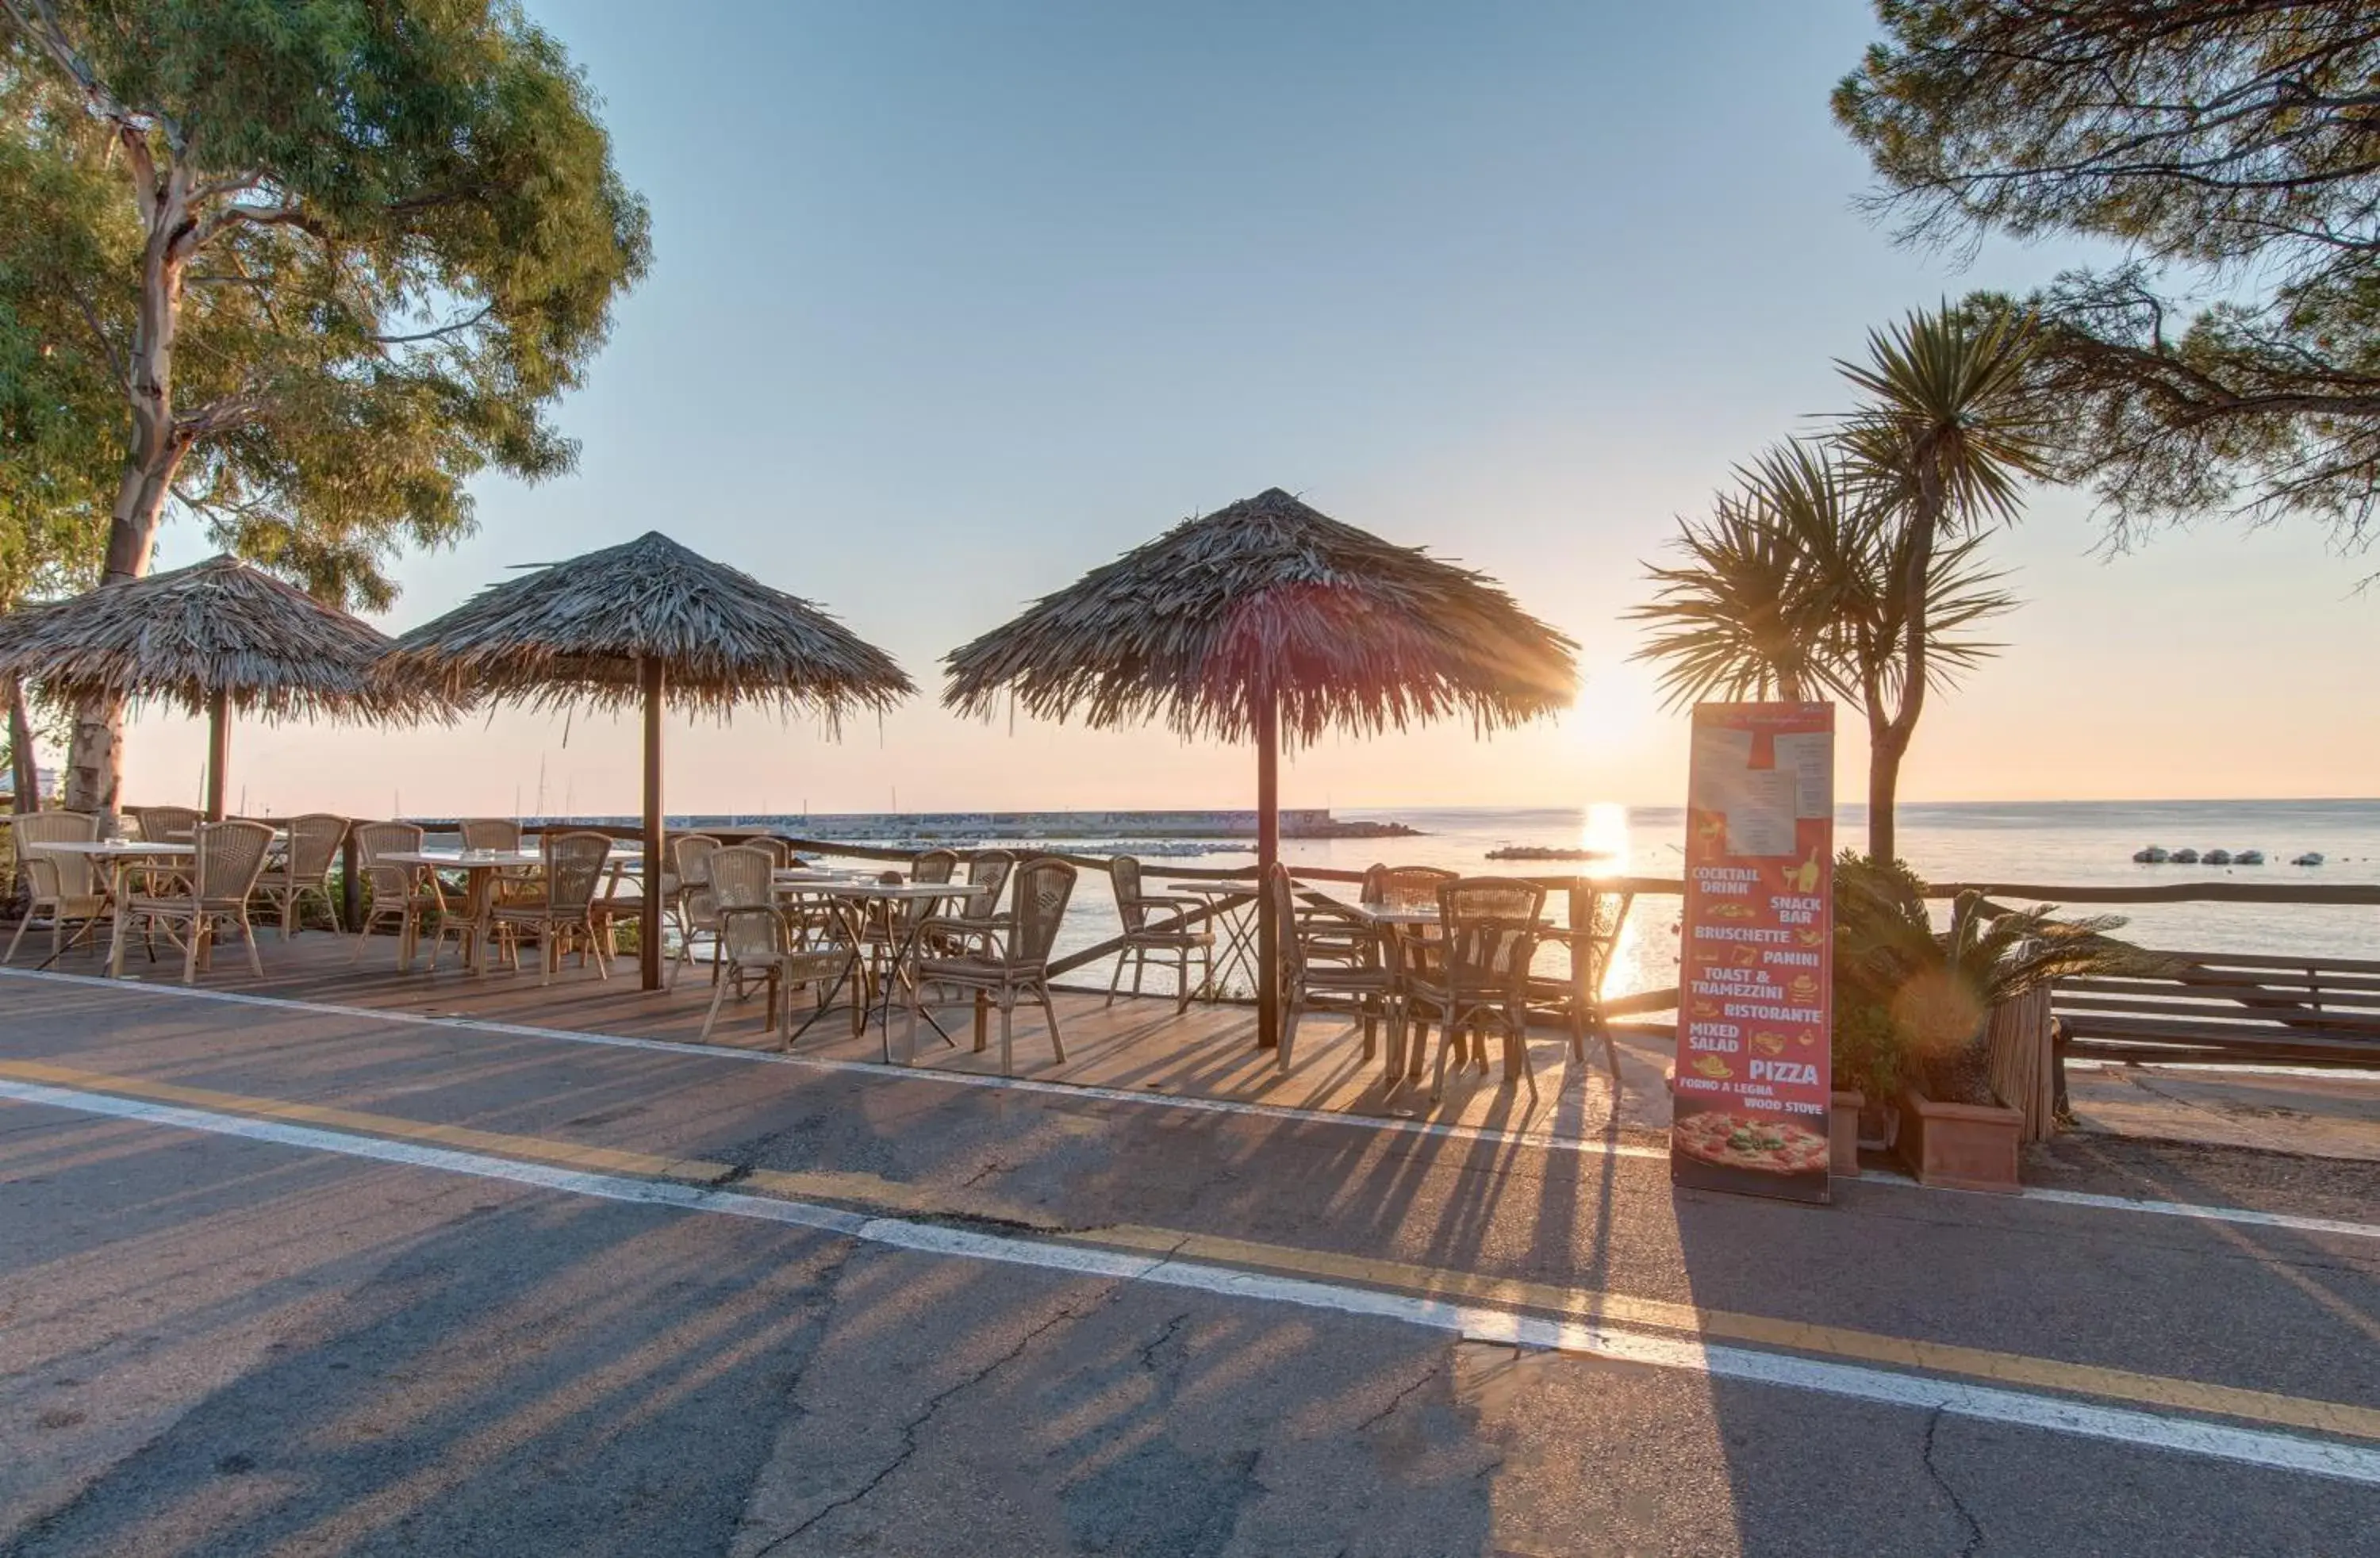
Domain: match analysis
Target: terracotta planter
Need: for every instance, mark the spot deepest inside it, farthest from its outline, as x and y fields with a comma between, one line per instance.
x=1843, y=1134
x=1959, y=1145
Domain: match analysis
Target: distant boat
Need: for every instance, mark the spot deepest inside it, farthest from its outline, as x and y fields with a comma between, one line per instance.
x=2215, y=858
x=2310, y=857
x=2249, y=858
x=2185, y=856
x=2151, y=855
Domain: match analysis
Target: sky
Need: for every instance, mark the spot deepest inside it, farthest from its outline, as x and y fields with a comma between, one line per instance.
x=951, y=302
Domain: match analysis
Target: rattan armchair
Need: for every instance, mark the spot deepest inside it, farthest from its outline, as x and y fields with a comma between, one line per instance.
x=65, y=887
x=760, y=940
x=221, y=881
x=1598, y=916
x=163, y=824
x=573, y=873
x=1004, y=965
x=304, y=870
x=406, y=893
x=689, y=904
x=1305, y=975
x=1153, y=923
x=1489, y=927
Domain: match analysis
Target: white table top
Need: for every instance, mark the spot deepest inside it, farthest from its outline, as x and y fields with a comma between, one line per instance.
x=129, y=848
x=455, y=859
x=1394, y=914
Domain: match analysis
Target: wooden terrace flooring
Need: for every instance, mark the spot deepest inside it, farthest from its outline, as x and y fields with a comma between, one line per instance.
x=1136, y=1045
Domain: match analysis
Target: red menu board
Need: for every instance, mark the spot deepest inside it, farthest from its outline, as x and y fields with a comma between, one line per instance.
x=1755, y=985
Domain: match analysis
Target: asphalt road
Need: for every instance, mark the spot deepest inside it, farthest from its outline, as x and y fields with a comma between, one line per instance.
x=391, y=1286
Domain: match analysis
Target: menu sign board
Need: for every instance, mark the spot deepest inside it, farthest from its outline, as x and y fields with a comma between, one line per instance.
x=1756, y=976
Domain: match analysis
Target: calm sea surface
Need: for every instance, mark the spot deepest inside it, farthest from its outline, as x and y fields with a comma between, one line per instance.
x=2088, y=843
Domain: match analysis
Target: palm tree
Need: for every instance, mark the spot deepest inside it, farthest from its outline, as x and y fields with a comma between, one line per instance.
x=1752, y=612
x=1947, y=434
x=1791, y=588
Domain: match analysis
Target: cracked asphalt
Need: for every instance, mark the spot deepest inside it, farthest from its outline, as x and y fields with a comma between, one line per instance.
x=217, y=1346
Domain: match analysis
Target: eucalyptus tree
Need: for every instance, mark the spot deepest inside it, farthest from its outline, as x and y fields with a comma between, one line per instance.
x=58, y=415
x=2227, y=150
x=356, y=253
x=1793, y=588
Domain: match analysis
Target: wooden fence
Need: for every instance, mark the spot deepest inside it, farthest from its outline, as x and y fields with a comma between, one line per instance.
x=2215, y=1008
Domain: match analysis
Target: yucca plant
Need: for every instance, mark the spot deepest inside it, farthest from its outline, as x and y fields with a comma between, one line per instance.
x=1912, y=1001
x=1947, y=436
x=1791, y=588
x=1753, y=609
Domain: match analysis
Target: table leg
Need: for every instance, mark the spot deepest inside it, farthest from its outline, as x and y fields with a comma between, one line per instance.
x=115, y=918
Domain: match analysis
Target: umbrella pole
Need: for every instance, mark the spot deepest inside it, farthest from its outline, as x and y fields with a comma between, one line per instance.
x=1268, y=927
x=648, y=929
x=218, y=749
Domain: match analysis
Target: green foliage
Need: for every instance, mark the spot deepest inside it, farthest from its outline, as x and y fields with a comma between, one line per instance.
x=2228, y=149
x=1789, y=589
x=1912, y=1001
x=402, y=243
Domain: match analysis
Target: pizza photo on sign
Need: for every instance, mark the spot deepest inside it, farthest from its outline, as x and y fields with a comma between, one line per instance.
x=1731, y=1136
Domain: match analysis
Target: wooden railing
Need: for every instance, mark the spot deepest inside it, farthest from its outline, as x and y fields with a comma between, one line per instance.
x=2216, y=1008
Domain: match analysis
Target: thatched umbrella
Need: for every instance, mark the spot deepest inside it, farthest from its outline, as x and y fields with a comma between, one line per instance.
x=215, y=638
x=1263, y=620
x=651, y=623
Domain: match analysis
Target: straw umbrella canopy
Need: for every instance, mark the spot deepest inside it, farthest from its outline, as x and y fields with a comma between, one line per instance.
x=216, y=638
x=652, y=624
x=1266, y=621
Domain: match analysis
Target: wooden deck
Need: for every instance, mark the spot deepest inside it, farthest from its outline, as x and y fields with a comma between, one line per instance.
x=1138, y=1045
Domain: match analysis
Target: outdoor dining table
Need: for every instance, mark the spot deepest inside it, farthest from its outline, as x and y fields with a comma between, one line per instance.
x=1236, y=947
x=116, y=854
x=848, y=898
x=479, y=868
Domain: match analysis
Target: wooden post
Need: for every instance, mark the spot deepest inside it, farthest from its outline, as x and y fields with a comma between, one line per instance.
x=1268, y=927
x=218, y=751
x=351, y=887
x=649, y=928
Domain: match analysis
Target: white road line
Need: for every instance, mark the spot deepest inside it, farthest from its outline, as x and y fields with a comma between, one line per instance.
x=2183, y=1435
x=1542, y=1140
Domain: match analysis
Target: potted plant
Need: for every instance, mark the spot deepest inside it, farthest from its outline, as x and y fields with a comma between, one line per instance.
x=1914, y=1005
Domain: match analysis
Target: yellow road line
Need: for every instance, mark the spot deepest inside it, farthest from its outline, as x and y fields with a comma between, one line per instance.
x=868, y=1192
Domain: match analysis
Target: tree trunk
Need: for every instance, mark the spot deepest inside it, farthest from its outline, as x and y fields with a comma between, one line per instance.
x=96, y=754
x=1884, y=753
x=26, y=772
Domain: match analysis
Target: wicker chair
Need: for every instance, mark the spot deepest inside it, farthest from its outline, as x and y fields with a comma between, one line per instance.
x=987, y=874
x=758, y=941
x=1597, y=915
x=573, y=873
x=689, y=905
x=405, y=894
x=1005, y=964
x=165, y=824
x=1490, y=928
x=1371, y=984
x=1153, y=923
x=66, y=887
x=222, y=879
x=304, y=870
x=502, y=834
x=484, y=834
